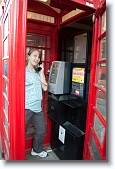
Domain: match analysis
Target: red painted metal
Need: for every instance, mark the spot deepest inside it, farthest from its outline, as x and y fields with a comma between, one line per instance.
x=104, y=148
x=97, y=140
x=93, y=88
x=17, y=53
x=90, y=97
x=100, y=116
x=41, y=8
x=17, y=79
x=3, y=81
x=73, y=4
x=1, y=84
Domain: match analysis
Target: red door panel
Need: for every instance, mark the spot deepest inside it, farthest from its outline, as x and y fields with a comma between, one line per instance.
x=95, y=139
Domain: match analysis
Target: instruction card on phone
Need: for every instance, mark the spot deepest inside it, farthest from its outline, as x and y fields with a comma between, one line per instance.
x=61, y=134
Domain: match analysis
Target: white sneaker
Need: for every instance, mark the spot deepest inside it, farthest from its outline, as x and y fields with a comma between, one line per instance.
x=41, y=154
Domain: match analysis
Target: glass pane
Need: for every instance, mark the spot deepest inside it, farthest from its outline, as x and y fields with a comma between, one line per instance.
x=101, y=102
x=5, y=120
x=48, y=42
x=6, y=88
x=5, y=67
x=47, y=67
x=6, y=27
x=102, y=75
x=103, y=48
x=6, y=106
x=48, y=55
x=103, y=27
x=6, y=47
x=99, y=128
x=43, y=55
x=95, y=151
x=36, y=40
x=80, y=45
x=6, y=134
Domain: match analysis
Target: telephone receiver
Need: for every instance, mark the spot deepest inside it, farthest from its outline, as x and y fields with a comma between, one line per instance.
x=40, y=62
x=37, y=69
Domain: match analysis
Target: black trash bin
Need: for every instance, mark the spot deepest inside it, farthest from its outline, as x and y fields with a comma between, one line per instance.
x=71, y=147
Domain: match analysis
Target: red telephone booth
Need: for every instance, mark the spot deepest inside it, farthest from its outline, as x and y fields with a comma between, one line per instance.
x=95, y=139
x=34, y=24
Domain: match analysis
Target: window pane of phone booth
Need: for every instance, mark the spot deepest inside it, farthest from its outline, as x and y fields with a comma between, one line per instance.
x=5, y=118
x=5, y=64
x=47, y=55
x=36, y=40
x=6, y=106
x=6, y=122
x=43, y=54
x=99, y=128
x=48, y=42
x=103, y=48
x=95, y=151
x=6, y=143
x=47, y=67
x=6, y=48
x=103, y=25
x=101, y=74
x=6, y=127
x=6, y=88
x=101, y=102
x=6, y=27
x=80, y=44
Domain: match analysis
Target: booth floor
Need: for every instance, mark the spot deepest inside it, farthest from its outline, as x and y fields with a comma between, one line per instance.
x=50, y=157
